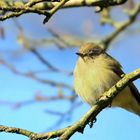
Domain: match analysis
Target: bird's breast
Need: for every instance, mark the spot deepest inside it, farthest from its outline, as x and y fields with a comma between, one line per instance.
x=92, y=78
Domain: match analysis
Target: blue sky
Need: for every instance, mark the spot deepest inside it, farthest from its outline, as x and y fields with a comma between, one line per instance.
x=112, y=124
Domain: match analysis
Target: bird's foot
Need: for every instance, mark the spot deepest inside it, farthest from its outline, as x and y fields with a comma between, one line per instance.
x=91, y=122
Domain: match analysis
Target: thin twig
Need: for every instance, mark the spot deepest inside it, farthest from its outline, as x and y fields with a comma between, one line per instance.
x=34, y=77
x=54, y=9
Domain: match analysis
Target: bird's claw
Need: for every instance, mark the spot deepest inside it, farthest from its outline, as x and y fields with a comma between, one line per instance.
x=91, y=122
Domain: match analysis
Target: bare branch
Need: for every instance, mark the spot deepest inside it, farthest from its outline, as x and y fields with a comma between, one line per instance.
x=66, y=133
x=103, y=102
x=54, y=9
x=44, y=61
x=39, y=98
x=15, y=9
x=67, y=40
x=34, y=77
x=16, y=130
x=81, y=3
x=31, y=46
x=121, y=26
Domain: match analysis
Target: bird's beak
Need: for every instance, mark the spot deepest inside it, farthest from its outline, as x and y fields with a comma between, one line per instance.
x=80, y=54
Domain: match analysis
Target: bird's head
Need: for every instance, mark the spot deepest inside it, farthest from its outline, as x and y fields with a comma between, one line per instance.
x=90, y=50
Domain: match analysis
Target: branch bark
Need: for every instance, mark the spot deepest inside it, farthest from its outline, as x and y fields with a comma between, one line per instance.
x=47, y=7
x=66, y=133
x=81, y=3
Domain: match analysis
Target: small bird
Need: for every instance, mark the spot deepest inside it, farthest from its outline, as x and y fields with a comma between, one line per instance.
x=96, y=72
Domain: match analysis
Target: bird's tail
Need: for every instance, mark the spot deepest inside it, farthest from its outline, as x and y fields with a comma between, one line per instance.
x=128, y=100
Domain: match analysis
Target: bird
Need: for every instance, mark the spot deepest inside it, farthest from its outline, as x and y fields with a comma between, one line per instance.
x=96, y=72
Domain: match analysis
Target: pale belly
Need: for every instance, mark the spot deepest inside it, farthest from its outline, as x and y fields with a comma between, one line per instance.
x=90, y=84
x=91, y=81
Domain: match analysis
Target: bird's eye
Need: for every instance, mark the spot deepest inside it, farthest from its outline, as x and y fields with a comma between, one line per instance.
x=91, y=52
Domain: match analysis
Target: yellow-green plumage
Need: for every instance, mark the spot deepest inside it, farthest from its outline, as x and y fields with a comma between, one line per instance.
x=96, y=74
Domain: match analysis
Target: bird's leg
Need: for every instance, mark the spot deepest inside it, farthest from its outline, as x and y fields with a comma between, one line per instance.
x=92, y=121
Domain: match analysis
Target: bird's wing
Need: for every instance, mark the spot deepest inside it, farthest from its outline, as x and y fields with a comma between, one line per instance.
x=116, y=67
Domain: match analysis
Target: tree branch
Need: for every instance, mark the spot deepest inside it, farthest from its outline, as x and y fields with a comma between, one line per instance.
x=54, y=9
x=34, y=77
x=121, y=26
x=18, y=8
x=16, y=131
x=31, y=44
x=48, y=7
x=81, y=3
x=66, y=133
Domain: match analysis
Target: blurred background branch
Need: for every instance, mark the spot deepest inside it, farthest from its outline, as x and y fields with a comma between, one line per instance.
x=44, y=55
